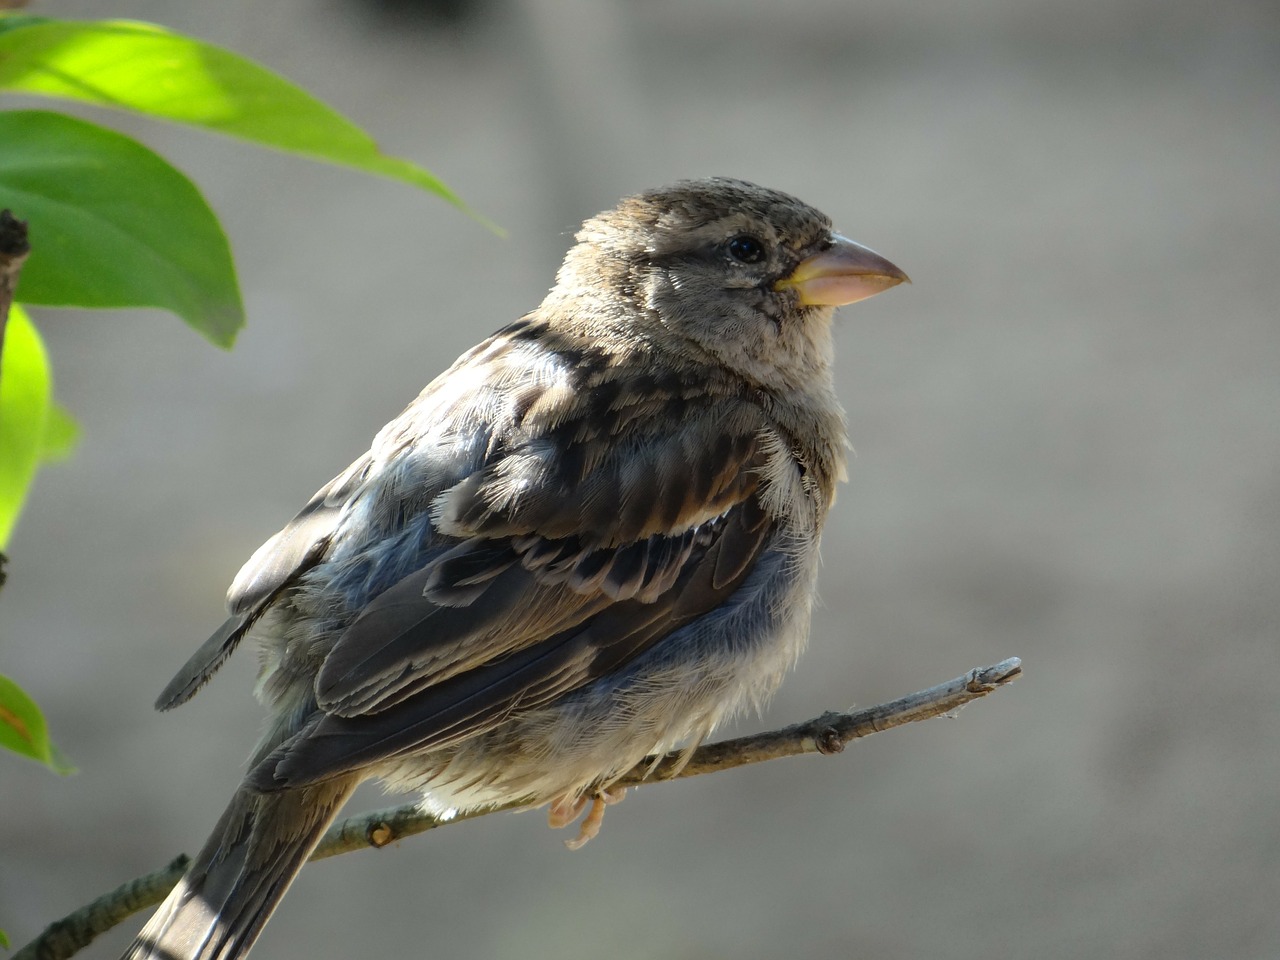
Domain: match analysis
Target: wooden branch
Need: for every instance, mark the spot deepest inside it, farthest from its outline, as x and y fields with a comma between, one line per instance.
x=827, y=734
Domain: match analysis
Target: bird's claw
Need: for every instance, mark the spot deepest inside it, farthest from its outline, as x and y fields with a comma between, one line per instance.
x=563, y=812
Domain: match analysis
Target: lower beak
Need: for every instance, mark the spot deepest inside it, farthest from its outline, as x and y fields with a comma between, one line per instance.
x=845, y=272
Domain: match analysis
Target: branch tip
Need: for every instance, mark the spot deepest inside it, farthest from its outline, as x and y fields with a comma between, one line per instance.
x=985, y=679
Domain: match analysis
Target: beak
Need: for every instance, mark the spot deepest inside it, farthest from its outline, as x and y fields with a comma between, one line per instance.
x=845, y=272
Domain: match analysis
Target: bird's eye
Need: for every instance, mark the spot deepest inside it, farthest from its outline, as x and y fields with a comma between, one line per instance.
x=746, y=249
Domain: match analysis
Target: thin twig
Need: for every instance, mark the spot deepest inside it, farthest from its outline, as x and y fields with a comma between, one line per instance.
x=826, y=734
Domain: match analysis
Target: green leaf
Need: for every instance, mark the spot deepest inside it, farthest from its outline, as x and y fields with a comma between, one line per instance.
x=24, y=414
x=4, y=940
x=23, y=730
x=61, y=434
x=113, y=225
x=142, y=67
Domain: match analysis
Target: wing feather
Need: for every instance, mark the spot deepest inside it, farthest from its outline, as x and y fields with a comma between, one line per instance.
x=565, y=513
x=443, y=712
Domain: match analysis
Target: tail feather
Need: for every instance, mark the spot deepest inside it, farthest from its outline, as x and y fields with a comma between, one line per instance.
x=234, y=884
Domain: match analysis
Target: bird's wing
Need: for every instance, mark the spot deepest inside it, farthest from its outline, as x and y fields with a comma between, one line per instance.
x=424, y=710
x=578, y=513
x=592, y=530
x=609, y=507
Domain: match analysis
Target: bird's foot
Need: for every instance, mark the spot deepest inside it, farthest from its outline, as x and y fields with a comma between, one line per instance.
x=564, y=811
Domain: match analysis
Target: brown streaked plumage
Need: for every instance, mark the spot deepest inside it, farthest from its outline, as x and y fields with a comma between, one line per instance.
x=593, y=538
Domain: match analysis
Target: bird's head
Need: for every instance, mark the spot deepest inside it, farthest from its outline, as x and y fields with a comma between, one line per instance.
x=723, y=267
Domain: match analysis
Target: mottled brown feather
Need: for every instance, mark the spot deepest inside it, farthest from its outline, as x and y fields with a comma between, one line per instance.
x=431, y=715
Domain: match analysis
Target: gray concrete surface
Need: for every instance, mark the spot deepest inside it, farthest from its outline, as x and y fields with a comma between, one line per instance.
x=1068, y=436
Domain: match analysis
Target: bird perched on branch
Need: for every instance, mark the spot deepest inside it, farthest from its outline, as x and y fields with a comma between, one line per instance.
x=591, y=539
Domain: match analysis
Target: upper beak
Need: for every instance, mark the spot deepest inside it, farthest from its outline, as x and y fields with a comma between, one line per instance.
x=845, y=272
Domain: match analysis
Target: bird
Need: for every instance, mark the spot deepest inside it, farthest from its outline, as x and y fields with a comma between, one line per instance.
x=591, y=540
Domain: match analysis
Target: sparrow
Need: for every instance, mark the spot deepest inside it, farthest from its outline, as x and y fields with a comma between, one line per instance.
x=591, y=540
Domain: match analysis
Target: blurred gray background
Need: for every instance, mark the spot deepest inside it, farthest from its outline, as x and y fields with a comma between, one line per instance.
x=1068, y=449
